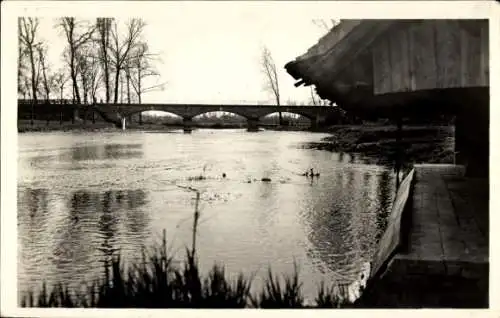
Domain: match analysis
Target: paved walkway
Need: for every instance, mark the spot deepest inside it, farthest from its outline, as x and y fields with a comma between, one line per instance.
x=445, y=262
x=449, y=229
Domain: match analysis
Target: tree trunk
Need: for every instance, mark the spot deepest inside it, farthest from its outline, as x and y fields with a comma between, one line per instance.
x=140, y=101
x=61, y=105
x=128, y=86
x=104, y=30
x=74, y=78
x=121, y=90
x=117, y=85
x=33, y=86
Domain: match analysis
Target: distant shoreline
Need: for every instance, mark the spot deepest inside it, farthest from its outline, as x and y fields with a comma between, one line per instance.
x=54, y=126
x=430, y=143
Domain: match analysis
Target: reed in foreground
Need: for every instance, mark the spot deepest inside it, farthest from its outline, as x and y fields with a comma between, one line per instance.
x=159, y=282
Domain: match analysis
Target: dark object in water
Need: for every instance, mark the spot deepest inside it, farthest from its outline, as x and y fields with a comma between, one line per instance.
x=312, y=174
x=197, y=178
x=265, y=179
x=223, y=174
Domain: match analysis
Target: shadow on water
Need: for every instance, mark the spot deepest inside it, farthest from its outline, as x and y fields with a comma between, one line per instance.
x=78, y=153
x=106, y=151
x=385, y=197
x=343, y=231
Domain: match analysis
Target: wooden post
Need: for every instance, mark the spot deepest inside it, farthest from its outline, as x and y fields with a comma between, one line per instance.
x=399, y=149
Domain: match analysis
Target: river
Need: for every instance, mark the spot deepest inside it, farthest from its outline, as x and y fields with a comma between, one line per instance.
x=82, y=196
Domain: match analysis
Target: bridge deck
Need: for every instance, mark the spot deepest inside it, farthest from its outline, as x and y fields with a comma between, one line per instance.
x=446, y=261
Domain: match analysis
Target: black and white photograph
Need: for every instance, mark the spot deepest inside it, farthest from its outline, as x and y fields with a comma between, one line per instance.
x=256, y=154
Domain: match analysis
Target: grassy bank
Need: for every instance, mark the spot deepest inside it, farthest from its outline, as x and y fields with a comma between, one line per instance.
x=160, y=282
x=431, y=144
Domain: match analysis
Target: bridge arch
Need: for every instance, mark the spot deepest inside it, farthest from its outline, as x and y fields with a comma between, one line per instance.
x=240, y=114
x=149, y=109
x=290, y=112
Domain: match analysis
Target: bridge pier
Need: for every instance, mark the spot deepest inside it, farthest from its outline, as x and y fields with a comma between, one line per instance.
x=75, y=115
x=317, y=121
x=187, y=125
x=252, y=124
x=124, y=123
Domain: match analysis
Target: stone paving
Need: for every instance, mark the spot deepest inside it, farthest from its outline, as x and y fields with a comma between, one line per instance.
x=445, y=262
x=449, y=231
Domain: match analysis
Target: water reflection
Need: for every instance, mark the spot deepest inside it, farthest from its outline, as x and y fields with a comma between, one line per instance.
x=106, y=151
x=80, y=230
x=343, y=232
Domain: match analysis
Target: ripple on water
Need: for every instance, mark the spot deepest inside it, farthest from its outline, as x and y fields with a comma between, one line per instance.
x=87, y=198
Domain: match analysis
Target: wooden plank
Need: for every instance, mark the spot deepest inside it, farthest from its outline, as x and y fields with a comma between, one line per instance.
x=448, y=53
x=392, y=239
x=470, y=56
x=423, y=59
x=485, y=55
x=411, y=65
x=381, y=66
x=400, y=72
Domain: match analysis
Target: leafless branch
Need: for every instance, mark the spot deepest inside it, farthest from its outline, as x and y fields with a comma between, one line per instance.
x=27, y=39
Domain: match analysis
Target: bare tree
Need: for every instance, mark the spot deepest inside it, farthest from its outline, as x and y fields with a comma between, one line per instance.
x=325, y=24
x=142, y=69
x=268, y=68
x=27, y=36
x=121, y=49
x=77, y=34
x=316, y=100
x=89, y=70
x=94, y=78
x=104, y=33
x=60, y=80
x=22, y=68
x=46, y=77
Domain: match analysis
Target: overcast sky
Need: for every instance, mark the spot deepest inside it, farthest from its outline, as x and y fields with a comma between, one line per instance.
x=214, y=58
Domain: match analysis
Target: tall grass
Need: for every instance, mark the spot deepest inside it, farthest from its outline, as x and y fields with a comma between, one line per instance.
x=159, y=282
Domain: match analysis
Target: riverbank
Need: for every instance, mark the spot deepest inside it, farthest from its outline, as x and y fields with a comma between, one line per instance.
x=42, y=126
x=378, y=143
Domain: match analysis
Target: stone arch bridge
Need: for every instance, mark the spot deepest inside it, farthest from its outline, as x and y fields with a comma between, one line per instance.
x=119, y=113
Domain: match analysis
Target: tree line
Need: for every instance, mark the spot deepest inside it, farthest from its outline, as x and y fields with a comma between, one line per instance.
x=103, y=60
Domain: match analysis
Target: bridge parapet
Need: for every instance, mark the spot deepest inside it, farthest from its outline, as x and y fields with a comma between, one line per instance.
x=192, y=110
x=114, y=113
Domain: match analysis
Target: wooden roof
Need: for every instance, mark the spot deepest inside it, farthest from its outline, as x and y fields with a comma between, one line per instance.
x=340, y=66
x=335, y=50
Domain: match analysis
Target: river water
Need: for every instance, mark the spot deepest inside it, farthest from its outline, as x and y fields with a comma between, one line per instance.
x=83, y=196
